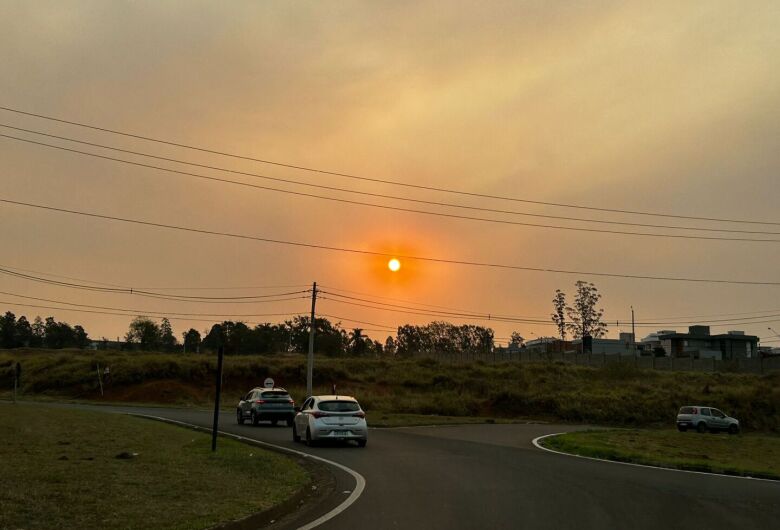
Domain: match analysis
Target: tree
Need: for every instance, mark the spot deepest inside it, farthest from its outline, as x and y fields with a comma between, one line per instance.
x=191, y=341
x=357, y=342
x=38, y=332
x=24, y=334
x=558, y=317
x=58, y=334
x=167, y=338
x=80, y=338
x=390, y=346
x=584, y=316
x=144, y=332
x=516, y=340
x=8, y=330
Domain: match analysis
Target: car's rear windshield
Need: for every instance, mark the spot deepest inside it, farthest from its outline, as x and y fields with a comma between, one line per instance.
x=278, y=394
x=687, y=410
x=339, y=406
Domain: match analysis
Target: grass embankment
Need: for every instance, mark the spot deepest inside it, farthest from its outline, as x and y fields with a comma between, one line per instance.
x=617, y=394
x=745, y=455
x=60, y=470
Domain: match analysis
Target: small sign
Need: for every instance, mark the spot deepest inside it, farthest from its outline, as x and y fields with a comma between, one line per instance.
x=268, y=383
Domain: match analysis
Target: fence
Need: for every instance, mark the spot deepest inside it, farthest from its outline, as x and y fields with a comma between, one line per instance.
x=687, y=364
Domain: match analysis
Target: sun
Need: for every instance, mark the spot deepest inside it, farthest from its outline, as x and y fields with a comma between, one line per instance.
x=394, y=265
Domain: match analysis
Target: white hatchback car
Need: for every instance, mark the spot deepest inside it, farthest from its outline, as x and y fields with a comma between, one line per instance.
x=337, y=418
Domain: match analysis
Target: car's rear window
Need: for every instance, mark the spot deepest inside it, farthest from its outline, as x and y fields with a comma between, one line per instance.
x=339, y=406
x=686, y=410
x=277, y=394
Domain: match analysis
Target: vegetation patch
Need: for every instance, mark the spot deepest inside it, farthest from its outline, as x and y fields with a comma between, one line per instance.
x=744, y=455
x=74, y=469
x=615, y=394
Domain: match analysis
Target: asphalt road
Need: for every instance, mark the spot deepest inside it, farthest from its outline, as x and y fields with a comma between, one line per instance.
x=492, y=477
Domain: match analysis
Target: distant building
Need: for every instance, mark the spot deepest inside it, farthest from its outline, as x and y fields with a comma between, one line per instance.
x=548, y=345
x=700, y=344
x=623, y=346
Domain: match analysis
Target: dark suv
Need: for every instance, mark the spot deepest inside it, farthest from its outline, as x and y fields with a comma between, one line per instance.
x=274, y=404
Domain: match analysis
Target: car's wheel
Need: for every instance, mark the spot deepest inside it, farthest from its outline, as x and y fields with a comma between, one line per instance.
x=733, y=429
x=682, y=428
x=362, y=443
x=309, y=441
x=701, y=427
x=239, y=417
x=290, y=422
x=296, y=438
x=254, y=419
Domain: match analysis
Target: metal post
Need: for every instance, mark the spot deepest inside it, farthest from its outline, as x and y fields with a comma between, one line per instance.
x=215, y=428
x=310, y=364
x=633, y=332
x=100, y=379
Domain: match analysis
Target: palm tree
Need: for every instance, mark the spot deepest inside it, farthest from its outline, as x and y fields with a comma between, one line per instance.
x=357, y=342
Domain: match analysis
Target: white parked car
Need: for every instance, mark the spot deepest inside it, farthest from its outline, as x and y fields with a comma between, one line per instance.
x=337, y=418
x=705, y=419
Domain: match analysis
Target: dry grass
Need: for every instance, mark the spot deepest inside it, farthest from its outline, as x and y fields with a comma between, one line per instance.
x=616, y=394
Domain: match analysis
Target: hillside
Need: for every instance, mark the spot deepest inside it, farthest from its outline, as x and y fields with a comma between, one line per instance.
x=613, y=395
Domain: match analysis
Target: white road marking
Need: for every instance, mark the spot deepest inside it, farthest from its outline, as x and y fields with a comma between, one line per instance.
x=360, y=482
x=535, y=441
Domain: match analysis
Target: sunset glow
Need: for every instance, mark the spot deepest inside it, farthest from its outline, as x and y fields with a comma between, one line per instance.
x=394, y=265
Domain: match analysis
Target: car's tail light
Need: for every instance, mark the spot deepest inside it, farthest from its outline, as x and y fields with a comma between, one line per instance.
x=360, y=414
x=260, y=401
x=318, y=414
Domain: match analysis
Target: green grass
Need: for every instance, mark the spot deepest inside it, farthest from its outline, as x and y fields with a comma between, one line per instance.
x=744, y=455
x=617, y=394
x=59, y=470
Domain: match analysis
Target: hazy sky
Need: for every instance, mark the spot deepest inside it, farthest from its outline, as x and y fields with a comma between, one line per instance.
x=670, y=107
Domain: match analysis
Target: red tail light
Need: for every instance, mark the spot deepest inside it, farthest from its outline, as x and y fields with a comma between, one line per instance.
x=260, y=401
x=318, y=414
x=360, y=414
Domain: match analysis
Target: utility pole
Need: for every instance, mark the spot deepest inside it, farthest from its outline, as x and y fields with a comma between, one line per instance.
x=310, y=365
x=633, y=332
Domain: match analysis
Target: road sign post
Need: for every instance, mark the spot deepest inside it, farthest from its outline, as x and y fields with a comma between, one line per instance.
x=215, y=428
x=17, y=377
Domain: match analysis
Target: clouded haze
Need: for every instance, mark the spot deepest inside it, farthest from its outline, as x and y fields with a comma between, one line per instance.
x=670, y=107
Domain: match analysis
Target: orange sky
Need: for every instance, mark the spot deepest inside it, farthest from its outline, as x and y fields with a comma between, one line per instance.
x=670, y=107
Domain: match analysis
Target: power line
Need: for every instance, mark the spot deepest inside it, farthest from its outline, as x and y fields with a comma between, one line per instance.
x=393, y=208
x=384, y=254
x=150, y=294
x=143, y=312
x=346, y=190
x=187, y=319
x=436, y=315
x=377, y=180
x=396, y=208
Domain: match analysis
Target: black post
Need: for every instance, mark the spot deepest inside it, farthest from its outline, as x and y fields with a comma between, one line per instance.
x=216, y=400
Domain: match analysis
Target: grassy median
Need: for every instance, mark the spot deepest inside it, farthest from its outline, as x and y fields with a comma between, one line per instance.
x=743, y=455
x=88, y=470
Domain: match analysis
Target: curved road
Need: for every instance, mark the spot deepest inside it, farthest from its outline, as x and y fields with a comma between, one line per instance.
x=492, y=477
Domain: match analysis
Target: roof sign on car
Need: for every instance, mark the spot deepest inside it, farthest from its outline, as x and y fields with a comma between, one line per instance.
x=268, y=383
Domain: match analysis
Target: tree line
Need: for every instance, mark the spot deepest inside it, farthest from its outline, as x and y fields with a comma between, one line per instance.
x=48, y=333
x=580, y=319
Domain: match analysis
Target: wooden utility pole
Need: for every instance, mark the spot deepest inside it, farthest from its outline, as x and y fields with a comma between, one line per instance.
x=310, y=364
